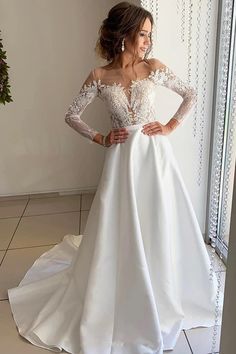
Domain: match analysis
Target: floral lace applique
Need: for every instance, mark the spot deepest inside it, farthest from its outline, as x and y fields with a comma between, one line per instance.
x=134, y=108
x=167, y=78
x=138, y=106
x=86, y=95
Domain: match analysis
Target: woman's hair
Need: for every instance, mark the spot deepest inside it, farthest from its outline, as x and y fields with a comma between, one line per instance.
x=124, y=19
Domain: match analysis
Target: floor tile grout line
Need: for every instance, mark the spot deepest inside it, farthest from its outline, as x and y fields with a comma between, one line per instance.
x=41, y=196
x=29, y=199
x=13, y=233
x=9, y=217
x=55, y=213
x=16, y=248
x=29, y=196
x=18, y=222
x=26, y=247
x=46, y=195
x=188, y=342
x=22, y=216
x=80, y=212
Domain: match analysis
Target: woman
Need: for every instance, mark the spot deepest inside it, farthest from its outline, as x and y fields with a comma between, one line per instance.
x=139, y=273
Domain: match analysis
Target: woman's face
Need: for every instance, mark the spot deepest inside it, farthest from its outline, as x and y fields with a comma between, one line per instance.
x=143, y=40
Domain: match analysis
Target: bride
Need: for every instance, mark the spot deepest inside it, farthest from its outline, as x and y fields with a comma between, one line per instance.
x=139, y=274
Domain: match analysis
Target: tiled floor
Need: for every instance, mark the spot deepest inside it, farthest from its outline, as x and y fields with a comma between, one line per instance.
x=30, y=227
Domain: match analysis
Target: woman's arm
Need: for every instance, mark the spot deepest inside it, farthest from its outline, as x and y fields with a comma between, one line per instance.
x=167, y=78
x=86, y=95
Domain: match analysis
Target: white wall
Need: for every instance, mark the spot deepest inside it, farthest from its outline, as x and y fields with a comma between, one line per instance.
x=50, y=50
x=173, y=52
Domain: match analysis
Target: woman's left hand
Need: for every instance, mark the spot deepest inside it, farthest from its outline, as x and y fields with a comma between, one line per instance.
x=155, y=127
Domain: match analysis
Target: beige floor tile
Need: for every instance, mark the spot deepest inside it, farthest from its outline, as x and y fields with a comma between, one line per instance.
x=84, y=216
x=181, y=346
x=45, y=229
x=11, y=341
x=200, y=339
x=39, y=206
x=7, y=228
x=87, y=200
x=15, y=265
x=12, y=208
x=218, y=261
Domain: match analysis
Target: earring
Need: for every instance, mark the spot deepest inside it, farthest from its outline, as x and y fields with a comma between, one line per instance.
x=123, y=45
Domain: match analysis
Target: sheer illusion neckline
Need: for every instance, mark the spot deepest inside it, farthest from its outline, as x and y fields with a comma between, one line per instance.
x=132, y=82
x=130, y=87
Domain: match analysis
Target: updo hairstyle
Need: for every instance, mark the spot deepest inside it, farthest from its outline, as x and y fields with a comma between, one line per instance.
x=123, y=20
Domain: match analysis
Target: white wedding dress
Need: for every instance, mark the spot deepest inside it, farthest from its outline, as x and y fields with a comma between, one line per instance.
x=139, y=274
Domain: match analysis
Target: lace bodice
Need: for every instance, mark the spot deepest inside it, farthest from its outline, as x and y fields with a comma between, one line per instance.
x=130, y=105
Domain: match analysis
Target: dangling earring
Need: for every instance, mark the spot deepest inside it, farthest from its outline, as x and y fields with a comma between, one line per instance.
x=123, y=45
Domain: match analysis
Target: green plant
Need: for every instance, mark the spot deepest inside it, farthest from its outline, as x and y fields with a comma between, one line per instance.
x=5, y=95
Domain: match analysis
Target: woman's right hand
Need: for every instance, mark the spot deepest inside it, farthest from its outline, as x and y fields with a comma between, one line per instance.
x=116, y=136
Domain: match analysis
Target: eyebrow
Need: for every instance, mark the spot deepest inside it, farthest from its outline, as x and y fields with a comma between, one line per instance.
x=145, y=31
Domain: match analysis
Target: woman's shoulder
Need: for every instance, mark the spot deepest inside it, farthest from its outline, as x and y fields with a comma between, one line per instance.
x=98, y=72
x=102, y=71
x=155, y=64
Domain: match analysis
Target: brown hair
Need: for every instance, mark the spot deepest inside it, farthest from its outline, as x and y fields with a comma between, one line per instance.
x=124, y=19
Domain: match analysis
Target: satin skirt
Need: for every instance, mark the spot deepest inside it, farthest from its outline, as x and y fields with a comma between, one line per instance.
x=137, y=276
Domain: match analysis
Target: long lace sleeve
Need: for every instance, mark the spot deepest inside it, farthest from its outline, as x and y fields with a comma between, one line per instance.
x=86, y=95
x=167, y=78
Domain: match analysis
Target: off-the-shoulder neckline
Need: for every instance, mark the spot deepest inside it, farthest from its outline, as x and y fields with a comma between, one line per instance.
x=152, y=73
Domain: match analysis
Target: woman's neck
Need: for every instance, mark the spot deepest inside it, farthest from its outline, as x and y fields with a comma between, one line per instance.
x=124, y=62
